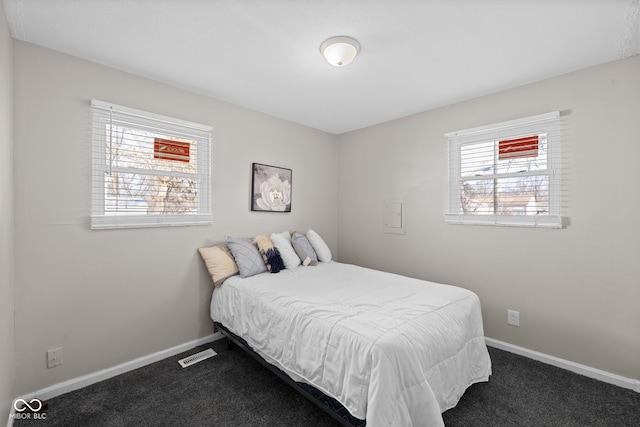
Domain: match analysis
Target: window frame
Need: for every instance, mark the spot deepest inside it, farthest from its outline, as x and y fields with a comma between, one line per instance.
x=102, y=116
x=549, y=124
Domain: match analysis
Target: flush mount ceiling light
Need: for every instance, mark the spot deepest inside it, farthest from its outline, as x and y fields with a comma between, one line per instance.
x=339, y=51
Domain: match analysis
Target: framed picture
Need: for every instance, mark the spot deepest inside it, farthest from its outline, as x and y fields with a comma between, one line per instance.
x=270, y=188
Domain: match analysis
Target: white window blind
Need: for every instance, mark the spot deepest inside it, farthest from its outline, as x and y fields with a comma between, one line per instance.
x=506, y=174
x=148, y=170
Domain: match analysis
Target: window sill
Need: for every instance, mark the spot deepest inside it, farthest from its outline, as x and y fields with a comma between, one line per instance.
x=546, y=221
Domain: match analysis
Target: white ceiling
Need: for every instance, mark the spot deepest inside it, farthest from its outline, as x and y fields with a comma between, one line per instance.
x=264, y=54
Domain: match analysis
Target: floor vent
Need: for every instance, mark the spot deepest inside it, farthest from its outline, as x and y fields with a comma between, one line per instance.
x=195, y=358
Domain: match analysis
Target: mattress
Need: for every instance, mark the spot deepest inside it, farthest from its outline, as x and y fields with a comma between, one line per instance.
x=393, y=350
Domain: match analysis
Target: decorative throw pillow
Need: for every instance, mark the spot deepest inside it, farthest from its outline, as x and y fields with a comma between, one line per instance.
x=318, y=245
x=219, y=263
x=282, y=241
x=270, y=253
x=303, y=248
x=247, y=256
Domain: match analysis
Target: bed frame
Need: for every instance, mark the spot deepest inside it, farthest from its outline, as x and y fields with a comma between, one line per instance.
x=324, y=402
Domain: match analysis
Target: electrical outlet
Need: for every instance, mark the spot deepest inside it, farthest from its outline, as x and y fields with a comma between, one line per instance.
x=513, y=317
x=54, y=357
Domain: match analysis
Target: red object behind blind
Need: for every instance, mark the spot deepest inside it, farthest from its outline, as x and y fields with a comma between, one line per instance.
x=171, y=150
x=519, y=147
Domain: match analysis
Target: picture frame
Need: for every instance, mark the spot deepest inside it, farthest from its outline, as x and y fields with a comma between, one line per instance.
x=270, y=188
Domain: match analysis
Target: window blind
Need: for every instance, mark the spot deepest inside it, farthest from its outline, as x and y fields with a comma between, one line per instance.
x=506, y=173
x=148, y=170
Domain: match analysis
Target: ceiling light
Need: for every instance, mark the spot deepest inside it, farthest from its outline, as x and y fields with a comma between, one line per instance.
x=339, y=51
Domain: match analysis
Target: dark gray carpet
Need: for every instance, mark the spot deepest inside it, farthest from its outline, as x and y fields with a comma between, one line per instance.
x=232, y=389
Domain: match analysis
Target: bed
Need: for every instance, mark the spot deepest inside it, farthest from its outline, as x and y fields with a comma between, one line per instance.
x=391, y=350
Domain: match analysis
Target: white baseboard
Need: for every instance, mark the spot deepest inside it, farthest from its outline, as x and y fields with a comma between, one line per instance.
x=587, y=371
x=86, y=380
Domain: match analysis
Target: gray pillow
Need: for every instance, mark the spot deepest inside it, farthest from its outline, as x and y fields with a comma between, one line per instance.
x=304, y=249
x=247, y=257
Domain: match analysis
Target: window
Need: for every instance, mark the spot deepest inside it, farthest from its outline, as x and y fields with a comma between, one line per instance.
x=148, y=170
x=506, y=174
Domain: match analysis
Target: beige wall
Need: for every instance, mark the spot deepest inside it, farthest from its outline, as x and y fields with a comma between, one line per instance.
x=107, y=297
x=577, y=289
x=7, y=373
x=110, y=296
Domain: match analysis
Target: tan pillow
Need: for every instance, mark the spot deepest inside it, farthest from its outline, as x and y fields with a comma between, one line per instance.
x=219, y=262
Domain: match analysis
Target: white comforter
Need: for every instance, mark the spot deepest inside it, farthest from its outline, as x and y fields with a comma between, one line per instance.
x=394, y=350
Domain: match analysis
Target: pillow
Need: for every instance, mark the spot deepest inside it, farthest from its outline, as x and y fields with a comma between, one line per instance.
x=270, y=253
x=247, y=256
x=318, y=245
x=282, y=241
x=303, y=248
x=219, y=263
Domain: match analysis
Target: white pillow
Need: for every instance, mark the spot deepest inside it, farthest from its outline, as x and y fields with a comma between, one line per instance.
x=318, y=245
x=282, y=242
